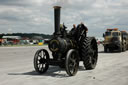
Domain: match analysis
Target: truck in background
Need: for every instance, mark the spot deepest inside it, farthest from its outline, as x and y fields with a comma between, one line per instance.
x=115, y=39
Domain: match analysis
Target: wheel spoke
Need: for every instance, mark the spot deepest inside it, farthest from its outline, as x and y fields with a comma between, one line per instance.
x=40, y=54
x=74, y=66
x=39, y=57
x=72, y=58
x=38, y=62
x=44, y=54
x=39, y=66
x=71, y=69
x=42, y=67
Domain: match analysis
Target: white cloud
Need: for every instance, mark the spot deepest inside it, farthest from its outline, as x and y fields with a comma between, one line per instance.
x=37, y=15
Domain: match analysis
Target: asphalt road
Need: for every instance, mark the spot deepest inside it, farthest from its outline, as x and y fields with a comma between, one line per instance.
x=16, y=68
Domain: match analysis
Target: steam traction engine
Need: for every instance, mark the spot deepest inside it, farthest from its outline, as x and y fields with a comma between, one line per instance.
x=67, y=52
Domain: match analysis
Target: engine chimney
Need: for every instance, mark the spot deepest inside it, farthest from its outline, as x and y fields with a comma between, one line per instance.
x=57, y=20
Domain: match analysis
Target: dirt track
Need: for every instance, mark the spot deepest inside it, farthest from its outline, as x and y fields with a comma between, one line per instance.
x=16, y=68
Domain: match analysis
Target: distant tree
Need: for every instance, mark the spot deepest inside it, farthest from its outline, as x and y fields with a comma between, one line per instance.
x=29, y=35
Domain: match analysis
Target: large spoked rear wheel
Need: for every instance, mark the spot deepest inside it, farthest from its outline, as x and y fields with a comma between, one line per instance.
x=89, y=52
x=41, y=61
x=72, y=62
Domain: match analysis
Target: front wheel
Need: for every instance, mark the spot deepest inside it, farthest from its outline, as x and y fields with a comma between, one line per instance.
x=41, y=61
x=72, y=62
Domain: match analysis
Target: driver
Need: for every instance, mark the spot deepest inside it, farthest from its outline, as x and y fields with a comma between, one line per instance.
x=82, y=27
x=76, y=32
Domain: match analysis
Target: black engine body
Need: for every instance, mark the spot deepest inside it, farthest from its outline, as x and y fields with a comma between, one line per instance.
x=61, y=41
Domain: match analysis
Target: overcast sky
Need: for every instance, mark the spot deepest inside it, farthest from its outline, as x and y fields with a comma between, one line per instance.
x=36, y=16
